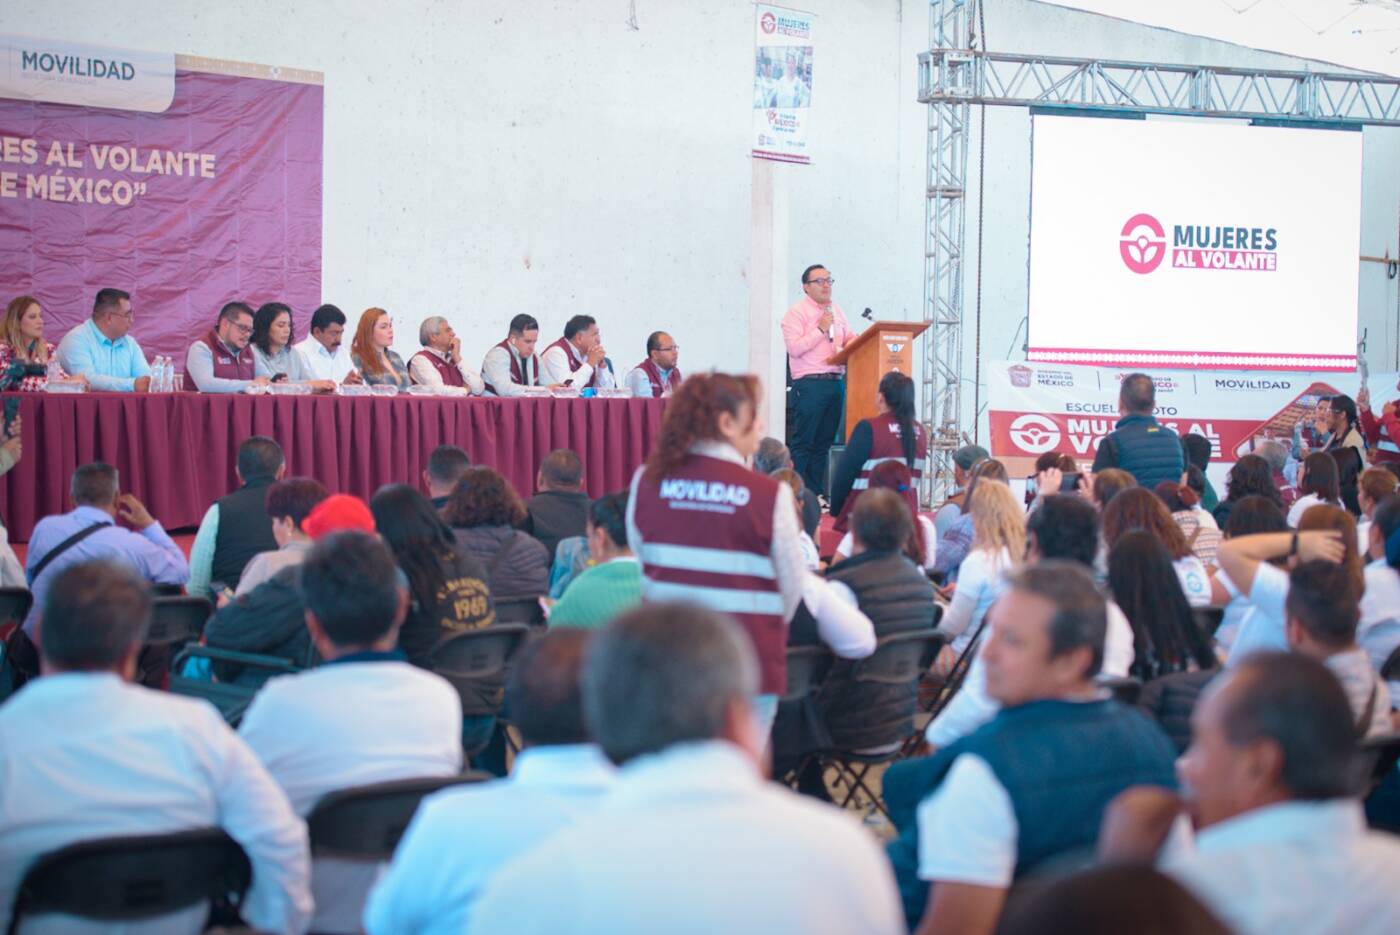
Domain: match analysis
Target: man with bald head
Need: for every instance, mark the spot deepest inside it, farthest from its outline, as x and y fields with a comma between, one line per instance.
x=658, y=375
x=440, y=362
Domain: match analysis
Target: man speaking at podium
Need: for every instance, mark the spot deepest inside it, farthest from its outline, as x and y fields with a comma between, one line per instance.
x=814, y=329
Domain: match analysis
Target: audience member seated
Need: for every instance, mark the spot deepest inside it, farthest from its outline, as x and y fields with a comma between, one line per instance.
x=1248, y=562
x=289, y=502
x=238, y=526
x=1198, y=449
x=1110, y=900
x=461, y=836
x=11, y=451
x=1140, y=508
x=1166, y=637
x=1199, y=528
x=578, y=359
x=956, y=541
x=372, y=352
x=773, y=456
x=101, y=350
x=22, y=345
x=1052, y=468
x=657, y=375
x=893, y=435
x=447, y=586
x=1319, y=484
x=668, y=695
x=1281, y=843
x=446, y=465
x=1275, y=453
x=964, y=460
x=1383, y=435
x=222, y=360
x=1374, y=485
x=1250, y=516
x=273, y=352
x=89, y=756
x=511, y=366
x=560, y=508
x=1322, y=615
x=998, y=546
x=323, y=349
x=364, y=716
x=811, y=555
x=1104, y=485
x=1033, y=782
x=613, y=585
x=1139, y=444
x=87, y=533
x=1379, y=629
x=894, y=592
x=484, y=511
x=1251, y=476
x=270, y=620
x=922, y=547
x=440, y=362
x=1064, y=529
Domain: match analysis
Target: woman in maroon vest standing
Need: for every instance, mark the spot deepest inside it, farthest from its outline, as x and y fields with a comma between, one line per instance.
x=709, y=530
x=893, y=434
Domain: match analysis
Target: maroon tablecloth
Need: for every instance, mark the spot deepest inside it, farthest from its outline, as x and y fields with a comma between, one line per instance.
x=176, y=452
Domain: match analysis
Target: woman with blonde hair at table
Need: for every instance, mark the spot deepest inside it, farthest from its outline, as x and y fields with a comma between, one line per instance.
x=22, y=341
x=372, y=351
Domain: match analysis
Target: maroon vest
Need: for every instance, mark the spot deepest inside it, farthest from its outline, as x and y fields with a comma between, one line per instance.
x=226, y=366
x=654, y=375
x=887, y=445
x=575, y=363
x=449, y=372
x=517, y=371
x=707, y=535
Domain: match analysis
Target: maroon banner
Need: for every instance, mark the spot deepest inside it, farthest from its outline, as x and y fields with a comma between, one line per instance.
x=216, y=198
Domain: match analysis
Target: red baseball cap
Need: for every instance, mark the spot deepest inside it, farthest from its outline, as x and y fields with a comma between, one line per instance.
x=337, y=513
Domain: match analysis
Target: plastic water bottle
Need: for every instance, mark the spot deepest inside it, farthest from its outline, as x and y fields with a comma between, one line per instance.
x=55, y=372
x=167, y=375
x=160, y=383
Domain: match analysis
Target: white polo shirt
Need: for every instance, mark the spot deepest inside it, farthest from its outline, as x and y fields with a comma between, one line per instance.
x=86, y=755
x=460, y=837
x=322, y=363
x=345, y=724
x=1305, y=868
x=694, y=840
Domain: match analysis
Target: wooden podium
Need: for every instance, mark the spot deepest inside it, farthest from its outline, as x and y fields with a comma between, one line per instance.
x=880, y=348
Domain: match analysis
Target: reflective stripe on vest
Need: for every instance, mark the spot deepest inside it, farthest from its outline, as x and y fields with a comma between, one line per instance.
x=863, y=481
x=725, y=600
x=709, y=561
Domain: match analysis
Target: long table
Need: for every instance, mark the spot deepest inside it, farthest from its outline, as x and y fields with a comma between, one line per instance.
x=176, y=451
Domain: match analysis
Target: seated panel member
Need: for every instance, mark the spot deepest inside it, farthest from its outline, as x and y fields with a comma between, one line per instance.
x=323, y=349
x=440, y=362
x=101, y=350
x=511, y=366
x=578, y=359
x=372, y=351
x=22, y=342
x=222, y=361
x=658, y=375
x=273, y=351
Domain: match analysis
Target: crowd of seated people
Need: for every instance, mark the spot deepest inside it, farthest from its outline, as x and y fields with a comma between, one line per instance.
x=1115, y=688
x=252, y=347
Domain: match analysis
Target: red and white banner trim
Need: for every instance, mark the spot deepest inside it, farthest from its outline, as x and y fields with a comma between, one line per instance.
x=1191, y=360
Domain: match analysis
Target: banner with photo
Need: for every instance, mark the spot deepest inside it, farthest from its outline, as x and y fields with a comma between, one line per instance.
x=1035, y=408
x=187, y=182
x=782, y=83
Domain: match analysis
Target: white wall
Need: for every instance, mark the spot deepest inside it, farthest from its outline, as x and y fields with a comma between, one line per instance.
x=489, y=157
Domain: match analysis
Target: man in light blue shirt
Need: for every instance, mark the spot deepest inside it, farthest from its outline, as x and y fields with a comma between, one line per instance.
x=460, y=837
x=149, y=551
x=101, y=350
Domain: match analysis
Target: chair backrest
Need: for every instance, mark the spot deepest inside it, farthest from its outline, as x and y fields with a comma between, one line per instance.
x=806, y=667
x=366, y=822
x=167, y=590
x=1170, y=699
x=132, y=878
x=900, y=657
x=231, y=698
x=1208, y=618
x=470, y=658
x=518, y=610
x=1124, y=689
x=178, y=619
x=14, y=605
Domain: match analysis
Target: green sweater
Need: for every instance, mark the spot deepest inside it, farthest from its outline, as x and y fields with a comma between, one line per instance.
x=599, y=594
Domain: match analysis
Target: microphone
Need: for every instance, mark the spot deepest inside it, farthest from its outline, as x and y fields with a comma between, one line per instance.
x=868, y=315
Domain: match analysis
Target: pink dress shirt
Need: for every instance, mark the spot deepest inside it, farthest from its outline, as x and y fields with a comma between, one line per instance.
x=807, y=347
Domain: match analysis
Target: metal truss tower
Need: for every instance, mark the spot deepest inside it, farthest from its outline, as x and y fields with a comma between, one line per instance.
x=953, y=75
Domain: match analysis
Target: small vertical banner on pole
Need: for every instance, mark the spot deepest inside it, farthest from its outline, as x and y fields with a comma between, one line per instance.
x=782, y=83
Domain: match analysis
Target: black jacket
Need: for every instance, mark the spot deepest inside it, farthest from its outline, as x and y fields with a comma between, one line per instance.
x=555, y=515
x=269, y=620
